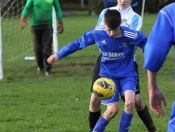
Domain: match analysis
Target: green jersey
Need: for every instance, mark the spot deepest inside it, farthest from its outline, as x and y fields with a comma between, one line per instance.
x=42, y=11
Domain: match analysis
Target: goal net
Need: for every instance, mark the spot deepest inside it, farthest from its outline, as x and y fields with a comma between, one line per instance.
x=16, y=43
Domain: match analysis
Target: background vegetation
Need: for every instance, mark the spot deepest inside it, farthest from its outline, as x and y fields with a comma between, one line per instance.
x=36, y=103
x=94, y=6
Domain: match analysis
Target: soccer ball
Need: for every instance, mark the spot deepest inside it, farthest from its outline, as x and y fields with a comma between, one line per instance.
x=104, y=88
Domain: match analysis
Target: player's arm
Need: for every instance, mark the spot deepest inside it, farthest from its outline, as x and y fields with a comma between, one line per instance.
x=57, y=9
x=159, y=43
x=156, y=50
x=27, y=8
x=25, y=13
x=136, y=23
x=140, y=39
x=53, y=58
x=86, y=40
x=156, y=97
x=59, y=16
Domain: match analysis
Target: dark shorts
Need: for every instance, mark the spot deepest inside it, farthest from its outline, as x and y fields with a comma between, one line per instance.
x=96, y=70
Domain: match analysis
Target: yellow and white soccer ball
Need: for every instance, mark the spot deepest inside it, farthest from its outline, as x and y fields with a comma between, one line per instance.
x=104, y=88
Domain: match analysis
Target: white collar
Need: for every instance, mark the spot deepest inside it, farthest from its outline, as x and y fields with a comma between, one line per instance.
x=123, y=12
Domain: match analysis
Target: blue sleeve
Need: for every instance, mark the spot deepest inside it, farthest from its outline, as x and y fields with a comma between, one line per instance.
x=101, y=17
x=86, y=40
x=158, y=44
x=140, y=40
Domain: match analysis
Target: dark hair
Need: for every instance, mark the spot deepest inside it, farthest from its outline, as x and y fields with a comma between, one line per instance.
x=112, y=18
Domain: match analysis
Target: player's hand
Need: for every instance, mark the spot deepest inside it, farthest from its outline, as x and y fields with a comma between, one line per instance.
x=53, y=58
x=60, y=27
x=22, y=22
x=155, y=99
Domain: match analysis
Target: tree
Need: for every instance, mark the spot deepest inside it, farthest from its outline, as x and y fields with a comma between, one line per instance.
x=96, y=6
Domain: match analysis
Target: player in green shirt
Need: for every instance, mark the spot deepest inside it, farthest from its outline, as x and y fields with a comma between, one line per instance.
x=42, y=30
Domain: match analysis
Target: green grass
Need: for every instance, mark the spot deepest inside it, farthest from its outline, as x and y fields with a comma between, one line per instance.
x=36, y=103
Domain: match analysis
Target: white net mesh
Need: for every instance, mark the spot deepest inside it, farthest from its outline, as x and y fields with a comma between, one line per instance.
x=16, y=43
x=3, y=3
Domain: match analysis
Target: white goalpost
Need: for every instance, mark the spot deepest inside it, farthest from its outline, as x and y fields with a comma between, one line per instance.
x=16, y=44
x=55, y=38
x=1, y=73
x=143, y=8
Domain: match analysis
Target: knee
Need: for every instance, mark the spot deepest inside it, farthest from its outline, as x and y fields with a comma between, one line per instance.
x=113, y=113
x=109, y=114
x=94, y=102
x=130, y=105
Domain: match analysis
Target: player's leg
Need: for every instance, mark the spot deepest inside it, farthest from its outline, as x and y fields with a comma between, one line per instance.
x=94, y=111
x=47, y=39
x=171, y=126
x=37, y=40
x=94, y=107
x=127, y=89
x=144, y=114
x=142, y=109
x=111, y=112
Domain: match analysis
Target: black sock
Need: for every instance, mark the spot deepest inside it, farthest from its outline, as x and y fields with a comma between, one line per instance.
x=93, y=118
x=147, y=119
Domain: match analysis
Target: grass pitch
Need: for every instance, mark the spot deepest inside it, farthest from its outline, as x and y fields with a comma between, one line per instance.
x=36, y=103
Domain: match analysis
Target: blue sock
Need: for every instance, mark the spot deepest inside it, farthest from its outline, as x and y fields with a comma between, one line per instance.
x=100, y=125
x=125, y=122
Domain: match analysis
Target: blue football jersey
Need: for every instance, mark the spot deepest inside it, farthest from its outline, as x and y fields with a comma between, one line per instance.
x=117, y=58
x=161, y=39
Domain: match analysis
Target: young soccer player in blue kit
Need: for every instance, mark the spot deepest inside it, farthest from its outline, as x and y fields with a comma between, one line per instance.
x=116, y=44
x=132, y=20
x=161, y=39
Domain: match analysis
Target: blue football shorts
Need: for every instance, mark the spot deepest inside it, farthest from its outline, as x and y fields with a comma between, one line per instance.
x=122, y=85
